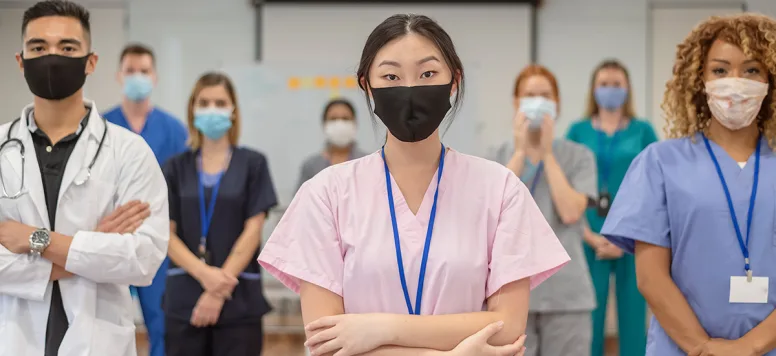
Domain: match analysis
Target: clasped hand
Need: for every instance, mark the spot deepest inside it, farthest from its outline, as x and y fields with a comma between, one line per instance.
x=722, y=347
x=356, y=334
x=520, y=128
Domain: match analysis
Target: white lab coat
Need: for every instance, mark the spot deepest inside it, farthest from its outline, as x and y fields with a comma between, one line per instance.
x=97, y=300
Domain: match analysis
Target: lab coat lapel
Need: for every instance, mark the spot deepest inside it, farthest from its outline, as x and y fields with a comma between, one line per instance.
x=84, y=150
x=34, y=182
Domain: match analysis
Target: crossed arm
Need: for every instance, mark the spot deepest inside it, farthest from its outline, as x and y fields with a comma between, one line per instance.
x=411, y=335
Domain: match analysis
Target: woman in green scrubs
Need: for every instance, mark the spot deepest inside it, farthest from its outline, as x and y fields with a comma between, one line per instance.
x=611, y=130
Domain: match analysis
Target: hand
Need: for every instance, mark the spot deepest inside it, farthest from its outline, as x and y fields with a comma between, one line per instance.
x=548, y=135
x=126, y=218
x=207, y=310
x=217, y=282
x=608, y=251
x=351, y=334
x=520, y=131
x=721, y=347
x=58, y=273
x=15, y=236
x=477, y=344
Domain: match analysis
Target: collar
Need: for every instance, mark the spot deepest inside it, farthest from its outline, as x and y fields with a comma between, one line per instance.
x=93, y=124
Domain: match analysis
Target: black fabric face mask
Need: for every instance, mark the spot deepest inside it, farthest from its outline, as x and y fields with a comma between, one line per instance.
x=55, y=77
x=412, y=114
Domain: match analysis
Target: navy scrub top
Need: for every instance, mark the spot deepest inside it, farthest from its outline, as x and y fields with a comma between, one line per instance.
x=246, y=190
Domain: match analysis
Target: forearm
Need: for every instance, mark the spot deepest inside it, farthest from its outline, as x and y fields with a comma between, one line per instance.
x=674, y=313
x=183, y=257
x=58, y=249
x=445, y=332
x=569, y=203
x=588, y=235
x=763, y=337
x=516, y=163
x=403, y=351
x=245, y=248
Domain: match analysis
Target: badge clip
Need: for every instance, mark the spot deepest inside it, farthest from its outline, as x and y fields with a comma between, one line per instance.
x=749, y=276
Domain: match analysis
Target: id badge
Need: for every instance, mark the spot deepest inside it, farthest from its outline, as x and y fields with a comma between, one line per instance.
x=744, y=291
x=604, y=202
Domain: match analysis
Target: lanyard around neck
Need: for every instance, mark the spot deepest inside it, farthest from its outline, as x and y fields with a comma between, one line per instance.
x=397, y=243
x=206, y=212
x=743, y=244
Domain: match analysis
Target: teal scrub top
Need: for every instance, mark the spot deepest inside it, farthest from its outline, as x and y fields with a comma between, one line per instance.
x=628, y=143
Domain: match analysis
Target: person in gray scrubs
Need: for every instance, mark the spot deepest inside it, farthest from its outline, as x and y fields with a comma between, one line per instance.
x=339, y=127
x=561, y=176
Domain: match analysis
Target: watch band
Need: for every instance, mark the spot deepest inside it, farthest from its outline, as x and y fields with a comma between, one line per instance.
x=39, y=241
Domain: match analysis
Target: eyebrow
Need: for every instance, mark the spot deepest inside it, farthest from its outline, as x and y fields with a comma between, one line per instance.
x=396, y=64
x=72, y=41
x=728, y=63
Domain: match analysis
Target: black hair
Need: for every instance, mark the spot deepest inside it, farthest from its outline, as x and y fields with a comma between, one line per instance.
x=401, y=25
x=137, y=49
x=339, y=101
x=62, y=8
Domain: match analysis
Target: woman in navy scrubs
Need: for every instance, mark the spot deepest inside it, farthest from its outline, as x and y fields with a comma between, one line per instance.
x=214, y=300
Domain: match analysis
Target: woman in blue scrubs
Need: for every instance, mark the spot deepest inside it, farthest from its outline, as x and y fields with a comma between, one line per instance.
x=611, y=130
x=698, y=210
x=219, y=198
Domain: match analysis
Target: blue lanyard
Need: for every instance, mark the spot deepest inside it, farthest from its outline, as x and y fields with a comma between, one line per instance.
x=206, y=214
x=743, y=244
x=537, y=176
x=606, y=153
x=424, y=261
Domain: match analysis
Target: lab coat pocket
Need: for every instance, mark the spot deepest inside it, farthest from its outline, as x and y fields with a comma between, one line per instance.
x=112, y=339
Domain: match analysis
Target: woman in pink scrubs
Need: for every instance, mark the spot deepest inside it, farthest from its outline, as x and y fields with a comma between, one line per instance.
x=416, y=249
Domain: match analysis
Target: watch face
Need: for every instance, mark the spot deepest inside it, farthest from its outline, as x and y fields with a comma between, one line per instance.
x=39, y=237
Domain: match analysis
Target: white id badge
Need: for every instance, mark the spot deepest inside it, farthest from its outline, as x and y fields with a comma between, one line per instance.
x=743, y=291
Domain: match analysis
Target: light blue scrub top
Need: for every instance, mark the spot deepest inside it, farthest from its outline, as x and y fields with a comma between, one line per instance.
x=672, y=197
x=165, y=134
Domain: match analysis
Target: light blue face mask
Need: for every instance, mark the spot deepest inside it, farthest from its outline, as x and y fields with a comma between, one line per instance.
x=535, y=108
x=213, y=123
x=610, y=98
x=137, y=87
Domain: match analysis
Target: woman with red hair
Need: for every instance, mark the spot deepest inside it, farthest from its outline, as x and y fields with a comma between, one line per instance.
x=561, y=176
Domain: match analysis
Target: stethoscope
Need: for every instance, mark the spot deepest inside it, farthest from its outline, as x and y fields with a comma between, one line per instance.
x=80, y=178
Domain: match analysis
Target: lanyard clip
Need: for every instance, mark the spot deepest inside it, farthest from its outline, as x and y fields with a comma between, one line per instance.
x=749, y=275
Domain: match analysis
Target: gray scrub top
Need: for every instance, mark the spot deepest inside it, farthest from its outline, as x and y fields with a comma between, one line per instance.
x=316, y=163
x=571, y=288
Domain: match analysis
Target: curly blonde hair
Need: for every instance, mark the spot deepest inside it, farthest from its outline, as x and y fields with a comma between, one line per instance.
x=685, y=107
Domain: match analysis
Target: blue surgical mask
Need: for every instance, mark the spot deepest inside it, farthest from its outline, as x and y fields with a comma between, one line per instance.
x=137, y=87
x=212, y=122
x=536, y=108
x=610, y=98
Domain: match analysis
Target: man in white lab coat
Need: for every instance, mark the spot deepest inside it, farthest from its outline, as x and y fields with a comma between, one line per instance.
x=63, y=285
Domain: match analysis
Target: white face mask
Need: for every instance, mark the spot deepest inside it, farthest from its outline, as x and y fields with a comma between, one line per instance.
x=536, y=108
x=735, y=102
x=340, y=133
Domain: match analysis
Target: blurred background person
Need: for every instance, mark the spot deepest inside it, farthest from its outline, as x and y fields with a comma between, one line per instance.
x=166, y=136
x=561, y=176
x=220, y=194
x=611, y=130
x=340, y=129
x=698, y=210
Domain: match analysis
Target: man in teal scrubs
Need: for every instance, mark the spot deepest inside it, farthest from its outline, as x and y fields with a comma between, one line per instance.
x=167, y=137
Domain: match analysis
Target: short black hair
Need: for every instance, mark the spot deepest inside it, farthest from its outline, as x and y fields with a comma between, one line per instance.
x=137, y=49
x=62, y=8
x=338, y=101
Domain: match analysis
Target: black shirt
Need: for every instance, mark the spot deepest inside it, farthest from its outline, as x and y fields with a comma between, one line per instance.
x=52, y=159
x=246, y=190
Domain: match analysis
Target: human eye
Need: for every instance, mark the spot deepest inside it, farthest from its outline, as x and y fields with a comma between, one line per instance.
x=753, y=70
x=391, y=77
x=428, y=74
x=718, y=71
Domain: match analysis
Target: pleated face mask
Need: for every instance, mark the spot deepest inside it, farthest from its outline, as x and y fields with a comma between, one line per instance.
x=536, y=108
x=735, y=102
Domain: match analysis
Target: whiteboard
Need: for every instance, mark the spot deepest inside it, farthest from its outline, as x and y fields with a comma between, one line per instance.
x=282, y=112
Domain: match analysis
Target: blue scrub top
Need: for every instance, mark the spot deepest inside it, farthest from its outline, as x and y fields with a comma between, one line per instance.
x=623, y=149
x=165, y=134
x=245, y=191
x=672, y=197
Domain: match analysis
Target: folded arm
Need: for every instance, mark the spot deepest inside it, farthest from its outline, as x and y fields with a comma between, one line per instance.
x=762, y=337
x=246, y=246
x=569, y=203
x=421, y=334
x=123, y=258
x=653, y=264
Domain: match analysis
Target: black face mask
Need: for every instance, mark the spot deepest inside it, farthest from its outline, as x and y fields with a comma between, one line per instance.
x=412, y=114
x=55, y=77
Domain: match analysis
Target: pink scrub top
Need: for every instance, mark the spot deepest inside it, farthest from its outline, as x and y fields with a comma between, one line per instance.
x=337, y=234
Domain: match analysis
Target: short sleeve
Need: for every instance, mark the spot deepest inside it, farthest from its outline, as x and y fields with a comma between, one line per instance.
x=524, y=245
x=261, y=191
x=584, y=175
x=649, y=134
x=173, y=191
x=571, y=134
x=639, y=211
x=305, y=245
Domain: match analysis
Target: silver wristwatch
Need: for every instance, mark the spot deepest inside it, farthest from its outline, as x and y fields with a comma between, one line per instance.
x=39, y=240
